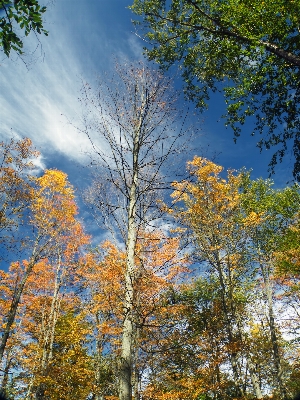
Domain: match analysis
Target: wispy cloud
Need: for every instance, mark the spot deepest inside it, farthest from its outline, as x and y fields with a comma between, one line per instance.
x=85, y=39
x=40, y=102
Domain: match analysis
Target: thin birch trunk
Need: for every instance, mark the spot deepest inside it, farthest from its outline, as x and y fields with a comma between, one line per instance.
x=233, y=355
x=48, y=339
x=10, y=318
x=136, y=372
x=254, y=379
x=5, y=371
x=52, y=320
x=272, y=327
x=29, y=388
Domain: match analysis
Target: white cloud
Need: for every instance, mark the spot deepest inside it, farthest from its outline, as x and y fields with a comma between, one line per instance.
x=41, y=102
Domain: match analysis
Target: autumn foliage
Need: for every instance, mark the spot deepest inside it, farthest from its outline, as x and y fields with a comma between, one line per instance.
x=215, y=299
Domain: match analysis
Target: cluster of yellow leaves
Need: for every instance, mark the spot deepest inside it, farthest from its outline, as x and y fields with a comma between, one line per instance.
x=182, y=386
x=101, y=275
x=53, y=216
x=253, y=219
x=70, y=369
x=53, y=206
x=210, y=199
x=64, y=368
x=104, y=278
x=6, y=290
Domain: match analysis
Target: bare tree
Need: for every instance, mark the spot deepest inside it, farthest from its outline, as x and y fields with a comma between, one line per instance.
x=136, y=134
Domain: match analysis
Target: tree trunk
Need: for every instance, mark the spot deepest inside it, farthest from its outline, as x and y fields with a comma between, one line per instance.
x=231, y=315
x=272, y=327
x=233, y=355
x=125, y=389
x=126, y=364
x=50, y=332
x=254, y=380
x=6, y=373
x=10, y=318
x=136, y=372
x=97, y=366
x=48, y=339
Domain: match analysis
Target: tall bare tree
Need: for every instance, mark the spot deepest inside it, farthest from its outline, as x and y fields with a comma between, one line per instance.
x=135, y=131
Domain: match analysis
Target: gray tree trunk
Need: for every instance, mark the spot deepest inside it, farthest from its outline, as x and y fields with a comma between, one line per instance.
x=272, y=326
x=231, y=315
x=10, y=318
x=126, y=364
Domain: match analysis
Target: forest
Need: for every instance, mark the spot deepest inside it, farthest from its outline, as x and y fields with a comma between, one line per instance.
x=189, y=290
x=196, y=294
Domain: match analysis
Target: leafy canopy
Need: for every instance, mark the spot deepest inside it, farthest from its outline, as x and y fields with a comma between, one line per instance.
x=248, y=50
x=21, y=14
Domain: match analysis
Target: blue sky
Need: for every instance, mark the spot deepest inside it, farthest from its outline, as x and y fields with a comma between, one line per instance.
x=85, y=38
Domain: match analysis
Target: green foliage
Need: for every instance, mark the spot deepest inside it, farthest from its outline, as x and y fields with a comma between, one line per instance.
x=276, y=208
x=23, y=14
x=288, y=254
x=249, y=50
x=237, y=225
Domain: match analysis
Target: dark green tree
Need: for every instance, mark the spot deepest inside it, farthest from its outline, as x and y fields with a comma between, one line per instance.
x=248, y=50
x=16, y=18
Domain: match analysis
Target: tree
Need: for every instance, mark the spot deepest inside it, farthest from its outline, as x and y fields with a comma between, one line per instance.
x=20, y=14
x=274, y=210
x=212, y=212
x=56, y=234
x=16, y=192
x=288, y=254
x=237, y=225
x=13, y=348
x=287, y=273
x=67, y=373
x=249, y=50
x=137, y=133
x=192, y=359
x=188, y=361
x=48, y=296
x=161, y=266
x=102, y=277
x=31, y=353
